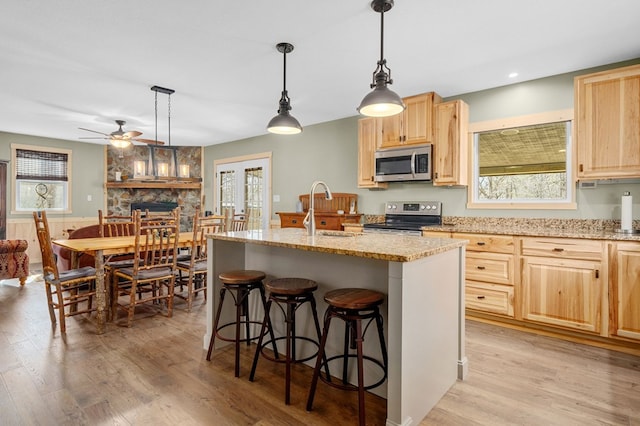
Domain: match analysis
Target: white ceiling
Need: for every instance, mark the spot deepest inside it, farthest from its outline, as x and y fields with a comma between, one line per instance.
x=68, y=63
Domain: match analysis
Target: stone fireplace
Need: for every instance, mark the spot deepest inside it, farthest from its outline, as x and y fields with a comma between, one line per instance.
x=154, y=191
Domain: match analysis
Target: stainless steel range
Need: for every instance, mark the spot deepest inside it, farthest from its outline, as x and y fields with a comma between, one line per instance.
x=408, y=217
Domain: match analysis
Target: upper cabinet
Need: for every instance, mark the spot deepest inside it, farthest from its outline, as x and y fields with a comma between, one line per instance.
x=607, y=123
x=368, y=141
x=450, y=147
x=415, y=125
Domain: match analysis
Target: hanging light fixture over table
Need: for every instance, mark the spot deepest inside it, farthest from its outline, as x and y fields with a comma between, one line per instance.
x=284, y=123
x=381, y=101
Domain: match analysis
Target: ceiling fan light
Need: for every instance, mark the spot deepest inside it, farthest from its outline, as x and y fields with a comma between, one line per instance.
x=120, y=143
x=381, y=102
x=284, y=124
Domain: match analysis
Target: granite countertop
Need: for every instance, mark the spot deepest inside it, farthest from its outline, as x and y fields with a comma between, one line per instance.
x=594, y=229
x=394, y=248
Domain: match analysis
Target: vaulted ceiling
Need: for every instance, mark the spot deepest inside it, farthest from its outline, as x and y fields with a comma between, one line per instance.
x=68, y=64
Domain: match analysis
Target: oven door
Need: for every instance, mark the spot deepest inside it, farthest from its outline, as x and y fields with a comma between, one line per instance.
x=406, y=164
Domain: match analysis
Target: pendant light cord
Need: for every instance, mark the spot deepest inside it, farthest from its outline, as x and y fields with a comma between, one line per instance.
x=156, y=117
x=169, y=116
x=382, y=34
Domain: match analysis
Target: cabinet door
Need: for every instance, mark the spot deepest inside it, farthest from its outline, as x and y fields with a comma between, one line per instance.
x=450, y=143
x=391, y=131
x=607, y=122
x=417, y=124
x=561, y=292
x=625, y=290
x=368, y=142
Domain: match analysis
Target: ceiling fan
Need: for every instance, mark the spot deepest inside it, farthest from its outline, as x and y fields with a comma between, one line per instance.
x=119, y=138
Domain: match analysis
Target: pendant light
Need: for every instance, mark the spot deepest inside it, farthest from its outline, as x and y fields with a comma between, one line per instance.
x=284, y=123
x=381, y=101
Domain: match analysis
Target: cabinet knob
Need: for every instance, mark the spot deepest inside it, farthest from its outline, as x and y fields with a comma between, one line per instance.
x=323, y=222
x=294, y=221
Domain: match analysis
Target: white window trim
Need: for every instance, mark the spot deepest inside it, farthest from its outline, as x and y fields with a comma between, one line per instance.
x=519, y=121
x=12, y=177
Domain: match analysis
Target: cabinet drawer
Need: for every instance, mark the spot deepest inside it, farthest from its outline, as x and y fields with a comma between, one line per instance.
x=564, y=248
x=487, y=242
x=436, y=234
x=493, y=298
x=325, y=222
x=291, y=221
x=489, y=267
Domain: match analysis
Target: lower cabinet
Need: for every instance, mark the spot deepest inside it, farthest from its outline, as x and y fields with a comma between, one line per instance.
x=624, y=294
x=562, y=282
x=489, y=273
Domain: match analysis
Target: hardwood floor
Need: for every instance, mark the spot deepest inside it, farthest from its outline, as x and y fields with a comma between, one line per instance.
x=156, y=373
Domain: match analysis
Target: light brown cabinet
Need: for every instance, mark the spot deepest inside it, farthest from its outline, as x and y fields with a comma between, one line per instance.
x=368, y=141
x=450, y=145
x=414, y=126
x=489, y=273
x=562, y=282
x=624, y=282
x=607, y=123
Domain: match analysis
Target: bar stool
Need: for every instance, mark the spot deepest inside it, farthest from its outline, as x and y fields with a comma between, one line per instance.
x=352, y=305
x=292, y=292
x=239, y=283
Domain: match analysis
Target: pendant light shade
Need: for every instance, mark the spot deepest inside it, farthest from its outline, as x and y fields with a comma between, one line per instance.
x=381, y=101
x=284, y=123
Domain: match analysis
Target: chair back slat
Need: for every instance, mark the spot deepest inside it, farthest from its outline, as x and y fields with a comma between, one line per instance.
x=156, y=241
x=115, y=225
x=203, y=226
x=49, y=265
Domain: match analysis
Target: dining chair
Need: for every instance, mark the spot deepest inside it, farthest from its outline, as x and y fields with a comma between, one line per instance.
x=115, y=225
x=193, y=272
x=152, y=275
x=238, y=224
x=66, y=290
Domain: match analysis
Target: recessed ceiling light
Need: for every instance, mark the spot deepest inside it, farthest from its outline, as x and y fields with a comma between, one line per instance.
x=513, y=75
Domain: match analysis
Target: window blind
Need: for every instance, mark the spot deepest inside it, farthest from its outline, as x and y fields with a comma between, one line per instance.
x=41, y=165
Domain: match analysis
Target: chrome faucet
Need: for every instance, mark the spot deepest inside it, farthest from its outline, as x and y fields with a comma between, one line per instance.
x=309, y=221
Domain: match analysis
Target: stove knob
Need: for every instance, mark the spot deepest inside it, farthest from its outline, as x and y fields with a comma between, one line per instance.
x=422, y=207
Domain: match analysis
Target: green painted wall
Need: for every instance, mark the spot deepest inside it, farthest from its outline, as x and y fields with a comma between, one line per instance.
x=328, y=152
x=87, y=170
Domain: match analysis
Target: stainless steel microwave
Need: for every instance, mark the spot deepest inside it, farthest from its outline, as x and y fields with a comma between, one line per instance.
x=403, y=164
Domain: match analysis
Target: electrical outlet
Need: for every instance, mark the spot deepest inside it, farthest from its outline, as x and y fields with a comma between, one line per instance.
x=89, y=197
x=276, y=198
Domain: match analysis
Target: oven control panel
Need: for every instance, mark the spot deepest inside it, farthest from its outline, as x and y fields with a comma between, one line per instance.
x=423, y=208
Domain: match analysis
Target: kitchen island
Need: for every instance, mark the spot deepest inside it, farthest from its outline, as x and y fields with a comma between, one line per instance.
x=423, y=279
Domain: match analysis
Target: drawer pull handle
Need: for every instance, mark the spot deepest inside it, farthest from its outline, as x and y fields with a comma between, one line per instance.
x=481, y=297
x=480, y=243
x=481, y=268
x=294, y=221
x=557, y=249
x=323, y=222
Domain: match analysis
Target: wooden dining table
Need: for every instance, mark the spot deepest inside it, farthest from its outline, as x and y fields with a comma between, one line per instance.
x=99, y=248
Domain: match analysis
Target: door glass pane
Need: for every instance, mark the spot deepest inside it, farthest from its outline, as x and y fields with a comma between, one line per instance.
x=254, y=205
x=227, y=193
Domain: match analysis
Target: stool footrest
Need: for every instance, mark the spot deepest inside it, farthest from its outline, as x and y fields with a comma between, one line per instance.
x=338, y=383
x=294, y=360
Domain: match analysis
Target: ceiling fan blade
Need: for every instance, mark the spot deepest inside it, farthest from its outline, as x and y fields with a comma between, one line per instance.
x=149, y=141
x=94, y=131
x=131, y=134
x=96, y=137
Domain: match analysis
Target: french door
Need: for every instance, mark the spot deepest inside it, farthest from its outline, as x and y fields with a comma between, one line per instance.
x=243, y=190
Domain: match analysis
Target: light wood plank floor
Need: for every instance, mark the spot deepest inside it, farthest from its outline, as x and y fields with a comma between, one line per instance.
x=156, y=373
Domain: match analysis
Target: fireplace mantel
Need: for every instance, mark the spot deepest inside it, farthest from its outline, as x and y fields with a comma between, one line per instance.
x=136, y=184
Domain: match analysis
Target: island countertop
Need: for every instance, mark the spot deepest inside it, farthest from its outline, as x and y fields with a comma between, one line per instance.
x=389, y=247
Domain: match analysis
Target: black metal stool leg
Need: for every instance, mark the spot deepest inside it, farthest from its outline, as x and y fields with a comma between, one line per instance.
x=267, y=311
x=358, y=338
x=319, y=358
x=215, y=324
x=289, y=320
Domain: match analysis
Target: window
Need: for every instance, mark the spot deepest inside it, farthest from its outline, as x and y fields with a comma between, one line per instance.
x=42, y=178
x=523, y=163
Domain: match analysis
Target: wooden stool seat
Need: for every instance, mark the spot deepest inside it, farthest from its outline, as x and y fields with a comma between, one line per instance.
x=290, y=293
x=241, y=277
x=291, y=286
x=239, y=284
x=354, y=298
x=351, y=305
